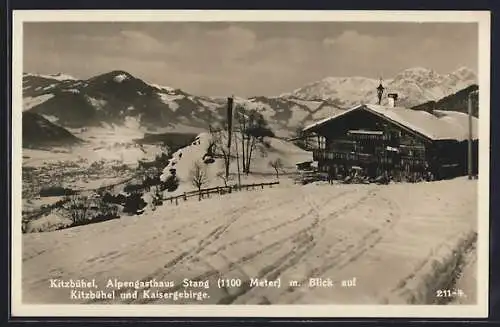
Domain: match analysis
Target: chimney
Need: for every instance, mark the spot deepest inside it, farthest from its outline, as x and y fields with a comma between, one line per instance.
x=392, y=99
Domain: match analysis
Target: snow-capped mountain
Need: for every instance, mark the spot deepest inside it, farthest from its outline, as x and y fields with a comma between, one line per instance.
x=418, y=85
x=414, y=86
x=341, y=89
x=111, y=98
x=57, y=76
x=116, y=96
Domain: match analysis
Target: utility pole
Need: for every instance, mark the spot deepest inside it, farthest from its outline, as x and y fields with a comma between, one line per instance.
x=229, y=131
x=469, y=140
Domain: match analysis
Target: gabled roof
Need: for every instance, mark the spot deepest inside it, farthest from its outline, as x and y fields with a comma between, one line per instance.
x=440, y=125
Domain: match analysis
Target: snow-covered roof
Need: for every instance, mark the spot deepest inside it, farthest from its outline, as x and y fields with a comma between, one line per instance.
x=440, y=125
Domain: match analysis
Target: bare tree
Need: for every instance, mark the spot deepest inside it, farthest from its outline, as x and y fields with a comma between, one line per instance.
x=252, y=129
x=242, y=121
x=277, y=164
x=218, y=146
x=255, y=131
x=198, y=176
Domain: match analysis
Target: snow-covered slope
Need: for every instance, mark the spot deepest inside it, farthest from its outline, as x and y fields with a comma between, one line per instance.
x=287, y=232
x=184, y=160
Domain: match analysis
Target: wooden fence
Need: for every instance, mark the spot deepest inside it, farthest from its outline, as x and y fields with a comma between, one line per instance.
x=206, y=192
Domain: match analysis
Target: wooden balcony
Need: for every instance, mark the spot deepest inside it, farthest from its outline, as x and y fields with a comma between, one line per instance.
x=353, y=157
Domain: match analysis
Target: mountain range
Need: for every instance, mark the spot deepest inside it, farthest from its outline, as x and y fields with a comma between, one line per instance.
x=414, y=86
x=116, y=96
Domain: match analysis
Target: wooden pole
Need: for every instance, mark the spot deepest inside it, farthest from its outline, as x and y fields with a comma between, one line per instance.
x=469, y=140
x=229, y=132
x=238, y=163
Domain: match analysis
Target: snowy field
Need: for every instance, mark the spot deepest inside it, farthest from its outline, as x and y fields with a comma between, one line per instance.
x=396, y=240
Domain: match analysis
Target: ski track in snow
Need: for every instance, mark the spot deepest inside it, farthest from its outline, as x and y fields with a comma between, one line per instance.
x=289, y=232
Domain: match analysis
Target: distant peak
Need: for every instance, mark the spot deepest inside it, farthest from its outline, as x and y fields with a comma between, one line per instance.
x=120, y=72
x=120, y=75
x=463, y=69
x=344, y=78
x=57, y=76
x=418, y=70
x=115, y=75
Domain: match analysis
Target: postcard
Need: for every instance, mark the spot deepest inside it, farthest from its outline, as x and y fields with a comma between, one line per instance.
x=250, y=163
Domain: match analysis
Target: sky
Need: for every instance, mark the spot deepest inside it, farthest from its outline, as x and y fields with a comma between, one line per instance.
x=246, y=59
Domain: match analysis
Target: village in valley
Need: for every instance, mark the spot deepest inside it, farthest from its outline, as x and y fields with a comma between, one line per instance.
x=126, y=179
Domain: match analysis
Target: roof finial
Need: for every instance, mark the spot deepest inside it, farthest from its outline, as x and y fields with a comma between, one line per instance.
x=380, y=91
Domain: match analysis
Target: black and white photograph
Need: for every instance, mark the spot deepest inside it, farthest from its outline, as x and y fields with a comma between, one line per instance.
x=250, y=163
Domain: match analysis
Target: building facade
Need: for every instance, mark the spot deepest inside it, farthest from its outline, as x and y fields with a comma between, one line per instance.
x=403, y=143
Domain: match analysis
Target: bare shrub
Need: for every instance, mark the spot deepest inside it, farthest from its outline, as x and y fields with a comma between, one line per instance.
x=106, y=210
x=277, y=165
x=157, y=196
x=79, y=207
x=222, y=176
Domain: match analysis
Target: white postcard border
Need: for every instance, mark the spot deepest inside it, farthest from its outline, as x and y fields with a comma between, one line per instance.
x=480, y=310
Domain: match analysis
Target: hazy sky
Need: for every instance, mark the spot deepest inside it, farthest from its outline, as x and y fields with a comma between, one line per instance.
x=246, y=59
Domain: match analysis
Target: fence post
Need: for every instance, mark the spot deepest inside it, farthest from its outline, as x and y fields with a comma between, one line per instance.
x=262, y=186
x=208, y=193
x=176, y=201
x=171, y=200
x=185, y=196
